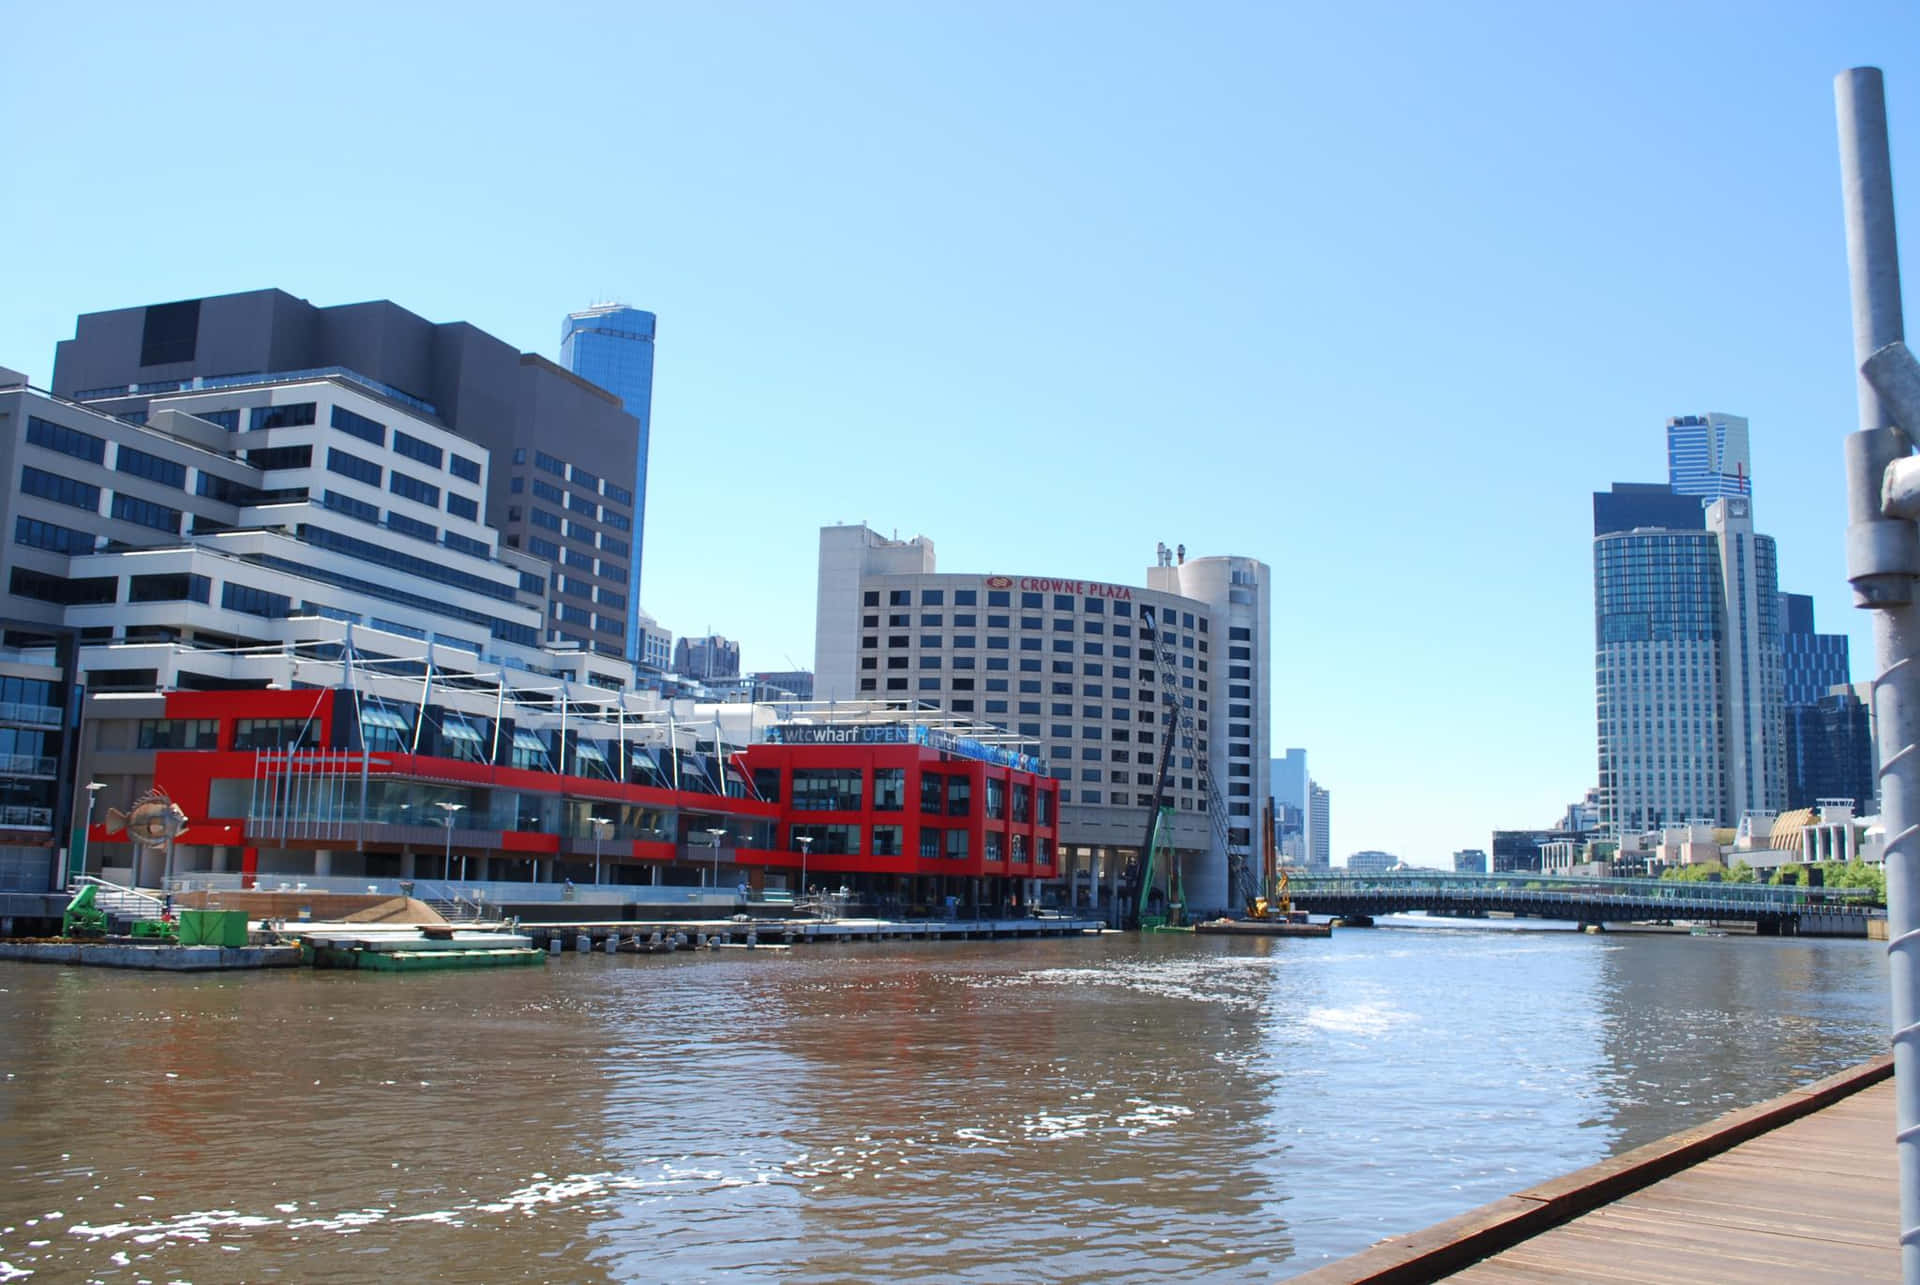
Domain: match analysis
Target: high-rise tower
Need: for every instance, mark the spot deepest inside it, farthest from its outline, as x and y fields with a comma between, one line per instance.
x=612, y=346
x=1687, y=665
x=1708, y=456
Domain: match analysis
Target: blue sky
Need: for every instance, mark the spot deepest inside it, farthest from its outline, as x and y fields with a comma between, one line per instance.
x=1377, y=293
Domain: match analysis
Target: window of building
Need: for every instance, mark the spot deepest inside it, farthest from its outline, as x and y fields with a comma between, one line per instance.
x=827, y=789
x=1031, y=601
x=253, y=602
x=547, y=463
x=61, y=490
x=36, y=534
x=899, y=598
x=412, y=488
x=956, y=845
x=297, y=415
x=169, y=588
x=541, y=518
x=146, y=513
x=409, y=526
x=871, y=598
x=339, y=461
x=461, y=507
x=463, y=468
x=415, y=449
x=140, y=464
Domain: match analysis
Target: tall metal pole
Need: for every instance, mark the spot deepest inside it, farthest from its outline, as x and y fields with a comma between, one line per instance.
x=1883, y=557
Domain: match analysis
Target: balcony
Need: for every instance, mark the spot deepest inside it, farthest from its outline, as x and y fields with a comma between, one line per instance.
x=28, y=765
x=31, y=715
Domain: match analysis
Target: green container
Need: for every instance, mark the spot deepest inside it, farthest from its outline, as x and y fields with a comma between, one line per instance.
x=213, y=928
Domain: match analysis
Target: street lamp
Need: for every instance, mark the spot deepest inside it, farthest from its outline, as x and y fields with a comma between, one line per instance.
x=805, y=841
x=452, y=810
x=78, y=867
x=602, y=829
x=718, y=834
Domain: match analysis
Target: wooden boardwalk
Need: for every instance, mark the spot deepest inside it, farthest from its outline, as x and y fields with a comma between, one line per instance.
x=1803, y=1188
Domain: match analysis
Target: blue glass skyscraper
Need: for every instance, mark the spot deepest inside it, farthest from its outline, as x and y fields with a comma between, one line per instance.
x=1708, y=456
x=612, y=346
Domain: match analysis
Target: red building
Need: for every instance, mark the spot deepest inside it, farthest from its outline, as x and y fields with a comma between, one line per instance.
x=318, y=783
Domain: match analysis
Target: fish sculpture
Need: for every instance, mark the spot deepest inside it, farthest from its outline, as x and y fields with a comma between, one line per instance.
x=152, y=820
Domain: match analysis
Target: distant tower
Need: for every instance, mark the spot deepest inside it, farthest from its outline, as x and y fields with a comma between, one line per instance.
x=1319, y=818
x=612, y=346
x=1707, y=456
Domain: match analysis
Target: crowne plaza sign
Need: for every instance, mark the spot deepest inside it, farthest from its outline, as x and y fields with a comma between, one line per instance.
x=1040, y=584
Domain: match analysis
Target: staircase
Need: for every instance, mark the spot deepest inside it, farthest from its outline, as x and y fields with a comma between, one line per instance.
x=122, y=906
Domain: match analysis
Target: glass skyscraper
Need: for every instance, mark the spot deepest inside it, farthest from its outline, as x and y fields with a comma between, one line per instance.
x=1707, y=456
x=612, y=346
x=1687, y=664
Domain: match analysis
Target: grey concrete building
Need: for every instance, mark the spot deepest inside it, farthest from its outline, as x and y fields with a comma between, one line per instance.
x=559, y=444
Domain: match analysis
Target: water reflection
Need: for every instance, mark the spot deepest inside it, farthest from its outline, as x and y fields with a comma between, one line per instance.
x=1115, y=1109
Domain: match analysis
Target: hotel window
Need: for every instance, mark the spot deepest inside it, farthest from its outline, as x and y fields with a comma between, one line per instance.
x=933, y=597
x=871, y=598
x=931, y=619
x=963, y=597
x=146, y=513
x=1030, y=601
x=956, y=845
x=348, y=465
x=152, y=467
x=932, y=793
x=997, y=622
x=964, y=640
x=929, y=640
x=963, y=662
x=998, y=598
x=899, y=598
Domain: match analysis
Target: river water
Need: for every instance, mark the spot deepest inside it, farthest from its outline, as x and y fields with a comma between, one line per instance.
x=1120, y=1108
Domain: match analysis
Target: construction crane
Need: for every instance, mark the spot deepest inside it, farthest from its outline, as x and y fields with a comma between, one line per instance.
x=1176, y=722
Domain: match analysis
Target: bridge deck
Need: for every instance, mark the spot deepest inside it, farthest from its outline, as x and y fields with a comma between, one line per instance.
x=1803, y=1188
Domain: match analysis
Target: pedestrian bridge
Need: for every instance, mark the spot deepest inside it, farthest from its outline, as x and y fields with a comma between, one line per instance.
x=1583, y=900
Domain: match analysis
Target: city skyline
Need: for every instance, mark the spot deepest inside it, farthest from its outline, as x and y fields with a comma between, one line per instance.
x=1431, y=323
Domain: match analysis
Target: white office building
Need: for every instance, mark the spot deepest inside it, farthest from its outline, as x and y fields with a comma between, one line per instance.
x=1081, y=671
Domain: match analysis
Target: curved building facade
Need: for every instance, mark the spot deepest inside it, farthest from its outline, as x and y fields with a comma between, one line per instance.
x=1079, y=671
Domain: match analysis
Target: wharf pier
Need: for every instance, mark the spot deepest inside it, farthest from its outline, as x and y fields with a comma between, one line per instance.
x=638, y=934
x=1802, y=1188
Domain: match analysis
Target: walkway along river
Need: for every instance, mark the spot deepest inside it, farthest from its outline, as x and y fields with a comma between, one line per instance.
x=1116, y=1108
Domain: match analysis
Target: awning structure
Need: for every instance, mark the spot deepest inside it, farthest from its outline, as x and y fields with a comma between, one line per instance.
x=460, y=729
x=376, y=716
x=523, y=740
x=589, y=751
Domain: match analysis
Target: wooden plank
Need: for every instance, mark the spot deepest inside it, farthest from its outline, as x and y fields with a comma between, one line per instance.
x=1802, y=1188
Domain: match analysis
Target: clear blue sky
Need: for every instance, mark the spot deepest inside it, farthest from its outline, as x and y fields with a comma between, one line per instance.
x=1039, y=281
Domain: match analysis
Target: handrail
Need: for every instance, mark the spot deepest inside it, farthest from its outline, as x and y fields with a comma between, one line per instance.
x=1532, y=887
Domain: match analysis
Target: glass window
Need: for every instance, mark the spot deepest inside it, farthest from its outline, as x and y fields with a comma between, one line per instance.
x=67, y=441
x=463, y=468
x=964, y=597
x=826, y=790
x=933, y=597
x=886, y=840
x=61, y=490
x=1030, y=600
x=339, y=461
x=959, y=796
x=932, y=792
x=889, y=789
x=415, y=449
x=461, y=507
x=294, y=416
x=412, y=488
x=128, y=508
x=151, y=467
x=998, y=598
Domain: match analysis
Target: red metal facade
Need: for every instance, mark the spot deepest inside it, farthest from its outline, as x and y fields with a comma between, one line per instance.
x=1009, y=844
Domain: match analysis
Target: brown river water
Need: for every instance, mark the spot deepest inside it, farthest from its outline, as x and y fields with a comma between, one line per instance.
x=1111, y=1109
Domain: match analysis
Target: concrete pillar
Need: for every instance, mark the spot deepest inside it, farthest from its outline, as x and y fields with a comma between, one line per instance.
x=219, y=860
x=406, y=863
x=323, y=862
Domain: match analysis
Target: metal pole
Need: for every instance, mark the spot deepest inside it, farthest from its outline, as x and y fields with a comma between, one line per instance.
x=1881, y=563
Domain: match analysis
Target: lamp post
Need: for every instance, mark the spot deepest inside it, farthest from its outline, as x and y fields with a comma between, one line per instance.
x=718, y=834
x=77, y=865
x=602, y=829
x=805, y=841
x=452, y=811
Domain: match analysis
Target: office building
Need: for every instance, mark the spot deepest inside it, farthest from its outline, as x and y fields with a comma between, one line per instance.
x=612, y=346
x=1082, y=671
x=1319, y=833
x=1812, y=663
x=1470, y=861
x=783, y=684
x=655, y=644
x=39, y=736
x=562, y=448
x=706, y=659
x=1371, y=862
x=1708, y=456
x=1830, y=751
x=1688, y=670
x=1520, y=851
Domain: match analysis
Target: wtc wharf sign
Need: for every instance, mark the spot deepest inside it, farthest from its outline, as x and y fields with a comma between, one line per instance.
x=1084, y=588
x=934, y=738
